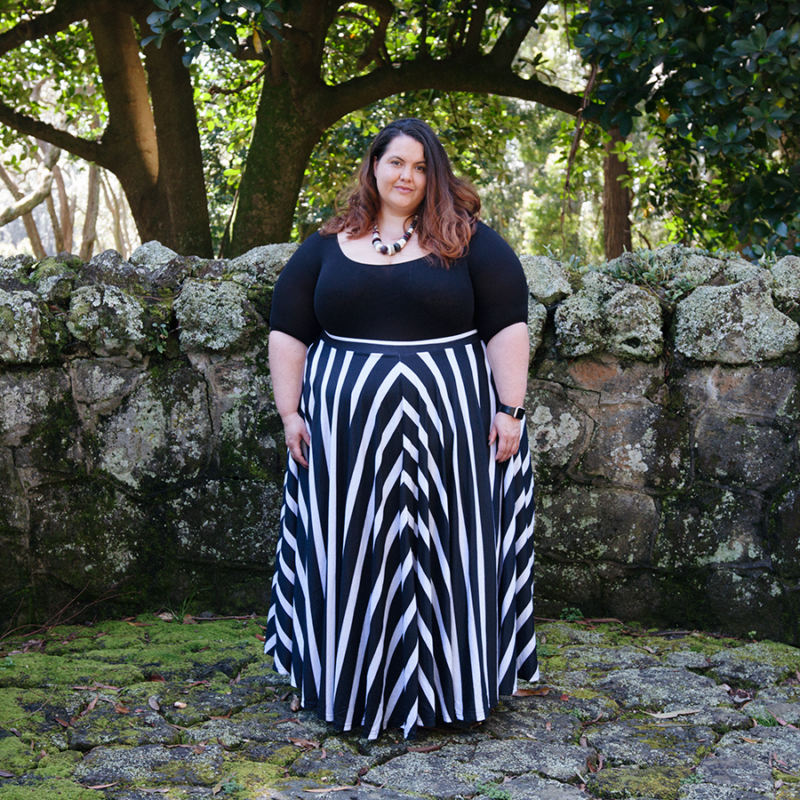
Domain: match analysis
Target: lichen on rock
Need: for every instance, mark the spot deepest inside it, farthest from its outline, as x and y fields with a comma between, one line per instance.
x=548, y=281
x=108, y=319
x=609, y=315
x=28, y=333
x=214, y=316
x=735, y=324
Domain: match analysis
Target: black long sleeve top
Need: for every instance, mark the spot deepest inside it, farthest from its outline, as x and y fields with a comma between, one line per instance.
x=320, y=288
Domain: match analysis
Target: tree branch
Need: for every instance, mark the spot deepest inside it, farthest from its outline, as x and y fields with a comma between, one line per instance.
x=62, y=15
x=29, y=202
x=462, y=73
x=508, y=43
x=472, y=40
x=83, y=148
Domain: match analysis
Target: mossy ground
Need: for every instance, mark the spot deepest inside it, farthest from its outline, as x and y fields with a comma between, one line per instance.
x=198, y=704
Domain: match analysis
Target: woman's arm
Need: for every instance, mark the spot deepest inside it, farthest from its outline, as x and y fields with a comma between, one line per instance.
x=508, y=353
x=287, y=357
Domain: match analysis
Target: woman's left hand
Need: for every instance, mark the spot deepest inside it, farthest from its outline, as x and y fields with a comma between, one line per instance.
x=506, y=431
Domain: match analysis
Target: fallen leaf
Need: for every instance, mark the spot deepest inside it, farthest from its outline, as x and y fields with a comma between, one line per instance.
x=4, y=774
x=201, y=748
x=140, y=624
x=649, y=649
x=583, y=742
x=166, y=616
x=306, y=743
x=673, y=714
x=188, y=619
x=331, y=789
x=179, y=704
x=216, y=789
x=427, y=748
x=295, y=705
x=285, y=719
x=323, y=753
x=564, y=697
x=90, y=707
x=749, y=741
x=122, y=709
x=540, y=692
x=62, y=722
x=198, y=683
x=363, y=771
x=102, y=785
x=548, y=726
x=224, y=716
x=157, y=678
x=261, y=638
x=153, y=703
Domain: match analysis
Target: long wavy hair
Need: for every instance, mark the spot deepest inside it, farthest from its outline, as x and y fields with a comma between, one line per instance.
x=447, y=215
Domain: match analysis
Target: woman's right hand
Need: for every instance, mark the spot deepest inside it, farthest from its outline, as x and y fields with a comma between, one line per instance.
x=295, y=432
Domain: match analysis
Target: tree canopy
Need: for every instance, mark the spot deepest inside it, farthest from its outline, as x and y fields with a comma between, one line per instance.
x=311, y=63
x=719, y=85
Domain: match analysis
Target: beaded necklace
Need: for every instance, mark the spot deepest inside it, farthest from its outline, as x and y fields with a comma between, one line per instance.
x=395, y=247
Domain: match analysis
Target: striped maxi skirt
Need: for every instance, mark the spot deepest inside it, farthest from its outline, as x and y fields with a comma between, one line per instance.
x=403, y=585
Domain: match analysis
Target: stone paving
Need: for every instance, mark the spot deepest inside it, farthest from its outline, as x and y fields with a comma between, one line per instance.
x=155, y=708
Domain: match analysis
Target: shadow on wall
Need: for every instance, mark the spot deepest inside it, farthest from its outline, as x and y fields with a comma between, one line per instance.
x=141, y=457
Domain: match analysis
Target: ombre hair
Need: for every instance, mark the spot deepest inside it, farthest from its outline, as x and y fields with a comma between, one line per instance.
x=447, y=215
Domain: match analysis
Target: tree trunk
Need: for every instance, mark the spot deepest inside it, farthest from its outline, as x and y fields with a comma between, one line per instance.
x=113, y=206
x=57, y=233
x=92, y=207
x=276, y=161
x=66, y=213
x=153, y=151
x=181, y=180
x=616, y=201
x=27, y=217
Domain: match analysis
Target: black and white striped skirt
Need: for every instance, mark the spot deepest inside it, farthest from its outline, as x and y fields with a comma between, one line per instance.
x=403, y=584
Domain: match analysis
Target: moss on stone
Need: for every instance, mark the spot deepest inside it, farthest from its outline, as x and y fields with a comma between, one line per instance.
x=33, y=670
x=661, y=783
x=37, y=788
x=252, y=778
x=16, y=755
x=59, y=765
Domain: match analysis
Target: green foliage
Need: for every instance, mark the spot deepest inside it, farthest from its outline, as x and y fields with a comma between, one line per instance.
x=218, y=23
x=473, y=128
x=664, y=278
x=571, y=614
x=493, y=791
x=719, y=85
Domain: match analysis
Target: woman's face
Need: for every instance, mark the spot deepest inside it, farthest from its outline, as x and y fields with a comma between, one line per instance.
x=401, y=176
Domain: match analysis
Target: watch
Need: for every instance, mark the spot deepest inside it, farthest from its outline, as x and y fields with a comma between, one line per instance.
x=515, y=411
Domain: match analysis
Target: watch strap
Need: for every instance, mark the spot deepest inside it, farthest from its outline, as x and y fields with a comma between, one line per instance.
x=515, y=411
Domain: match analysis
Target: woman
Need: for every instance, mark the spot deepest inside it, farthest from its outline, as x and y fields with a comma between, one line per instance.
x=403, y=587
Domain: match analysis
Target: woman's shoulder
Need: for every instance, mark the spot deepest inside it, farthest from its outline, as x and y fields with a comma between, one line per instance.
x=311, y=252
x=487, y=241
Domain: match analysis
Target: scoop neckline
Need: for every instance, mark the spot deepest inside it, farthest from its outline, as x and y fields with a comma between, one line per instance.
x=366, y=264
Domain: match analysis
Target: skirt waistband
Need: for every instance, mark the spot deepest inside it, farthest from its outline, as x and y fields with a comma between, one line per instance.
x=400, y=347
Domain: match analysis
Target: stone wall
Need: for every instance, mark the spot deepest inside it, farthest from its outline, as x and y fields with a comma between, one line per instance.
x=141, y=457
